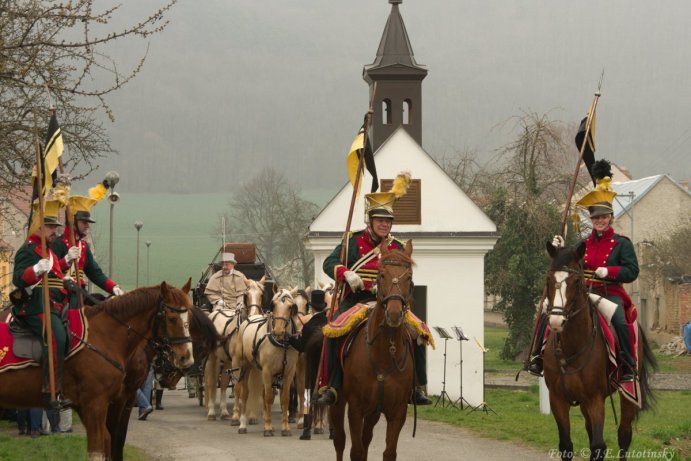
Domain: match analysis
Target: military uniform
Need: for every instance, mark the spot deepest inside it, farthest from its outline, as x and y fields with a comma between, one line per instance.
x=31, y=312
x=86, y=263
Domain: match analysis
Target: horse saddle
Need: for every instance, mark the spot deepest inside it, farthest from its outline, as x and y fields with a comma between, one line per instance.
x=26, y=345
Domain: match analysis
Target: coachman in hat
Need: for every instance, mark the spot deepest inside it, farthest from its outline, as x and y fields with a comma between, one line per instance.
x=227, y=286
x=360, y=274
x=80, y=207
x=609, y=262
x=29, y=266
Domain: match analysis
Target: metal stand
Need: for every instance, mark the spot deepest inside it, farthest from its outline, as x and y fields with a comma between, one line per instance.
x=483, y=405
x=444, y=397
x=461, y=337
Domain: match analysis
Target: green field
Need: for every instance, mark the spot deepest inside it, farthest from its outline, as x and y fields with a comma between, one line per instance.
x=184, y=231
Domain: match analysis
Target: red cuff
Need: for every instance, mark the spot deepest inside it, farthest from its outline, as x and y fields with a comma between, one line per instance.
x=110, y=285
x=63, y=264
x=340, y=270
x=613, y=272
x=29, y=276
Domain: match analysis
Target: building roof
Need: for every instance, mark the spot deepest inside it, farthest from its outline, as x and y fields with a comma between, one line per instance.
x=394, y=48
x=636, y=189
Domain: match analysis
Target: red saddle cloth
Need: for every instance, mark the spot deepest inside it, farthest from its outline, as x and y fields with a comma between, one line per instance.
x=79, y=332
x=630, y=390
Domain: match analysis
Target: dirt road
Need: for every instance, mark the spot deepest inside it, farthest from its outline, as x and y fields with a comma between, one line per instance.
x=182, y=433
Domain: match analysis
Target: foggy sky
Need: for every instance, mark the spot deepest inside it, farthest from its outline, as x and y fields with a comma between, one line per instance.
x=233, y=85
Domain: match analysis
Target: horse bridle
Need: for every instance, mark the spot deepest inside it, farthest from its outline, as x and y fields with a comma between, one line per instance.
x=287, y=320
x=395, y=281
x=563, y=311
x=250, y=306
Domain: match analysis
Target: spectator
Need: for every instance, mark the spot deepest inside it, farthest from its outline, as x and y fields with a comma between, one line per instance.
x=144, y=396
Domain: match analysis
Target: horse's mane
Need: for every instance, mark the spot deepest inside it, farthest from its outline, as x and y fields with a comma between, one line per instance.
x=398, y=254
x=202, y=324
x=130, y=303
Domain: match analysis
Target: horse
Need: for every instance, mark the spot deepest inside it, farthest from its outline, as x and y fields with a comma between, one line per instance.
x=204, y=338
x=297, y=394
x=378, y=369
x=94, y=375
x=227, y=321
x=576, y=362
x=264, y=352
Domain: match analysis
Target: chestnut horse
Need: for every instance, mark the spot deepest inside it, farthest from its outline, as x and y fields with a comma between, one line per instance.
x=94, y=375
x=576, y=362
x=265, y=358
x=378, y=369
x=204, y=339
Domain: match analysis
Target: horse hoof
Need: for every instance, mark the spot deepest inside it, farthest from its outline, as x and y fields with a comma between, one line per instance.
x=301, y=426
x=269, y=433
x=253, y=421
x=242, y=430
x=291, y=419
x=286, y=433
x=211, y=418
x=225, y=417
x=305, y=437
x=234, y=422
x=319, y=431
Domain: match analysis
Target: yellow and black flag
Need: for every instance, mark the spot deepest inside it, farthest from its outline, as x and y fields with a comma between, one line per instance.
x=588, y=124
x=353, y=159
x=50, y=159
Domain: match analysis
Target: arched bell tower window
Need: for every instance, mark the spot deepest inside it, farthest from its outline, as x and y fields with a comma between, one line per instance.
x=386, y=111
x=407, y=106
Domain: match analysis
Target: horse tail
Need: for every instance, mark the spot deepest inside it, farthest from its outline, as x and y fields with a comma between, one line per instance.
x=648, y=363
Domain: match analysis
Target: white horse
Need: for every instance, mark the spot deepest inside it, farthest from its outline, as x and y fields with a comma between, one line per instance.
x=264, y=351
x=227, y=322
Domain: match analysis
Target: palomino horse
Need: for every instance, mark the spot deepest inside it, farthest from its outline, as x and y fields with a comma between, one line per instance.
x=378, y=369
x=204, y=339
x=300, y=318
x=264, y=350
x=94, y=375
x=227, y=321
x=575, y=358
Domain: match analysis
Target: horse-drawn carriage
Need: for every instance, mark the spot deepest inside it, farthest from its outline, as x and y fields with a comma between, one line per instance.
x=252, y=267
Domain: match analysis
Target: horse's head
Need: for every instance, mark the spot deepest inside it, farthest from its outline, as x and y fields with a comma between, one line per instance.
x=283, y=308
x=328, y=289
x=395, y=284
x=302, y=301
x=171, y=324
x=252, y=298
x=564, y=285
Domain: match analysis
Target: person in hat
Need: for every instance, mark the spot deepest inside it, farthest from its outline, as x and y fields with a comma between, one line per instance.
x=226, y=287
x=359, y=275
x=81, y=207
x=609, y=261
x=29, y=266
x=315, y=322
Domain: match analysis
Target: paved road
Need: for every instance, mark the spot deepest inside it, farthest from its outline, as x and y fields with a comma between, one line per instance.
x=181, y=432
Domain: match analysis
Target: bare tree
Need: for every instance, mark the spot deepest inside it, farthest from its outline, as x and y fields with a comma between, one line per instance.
x=268, y=211
x=61, y=50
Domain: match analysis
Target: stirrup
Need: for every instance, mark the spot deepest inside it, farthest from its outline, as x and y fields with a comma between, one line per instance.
x=327, y=396
x=535, y=366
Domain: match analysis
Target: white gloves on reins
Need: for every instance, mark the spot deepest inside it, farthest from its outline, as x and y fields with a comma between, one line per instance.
x=72, y=254
x=117, y=291
x=42, y=266
x=601, y=272
x=558, y=241
x=220, y=303
x=353, y=280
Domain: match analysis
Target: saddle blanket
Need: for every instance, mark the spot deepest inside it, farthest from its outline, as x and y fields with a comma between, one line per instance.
x=357, y=314
x=79, y=332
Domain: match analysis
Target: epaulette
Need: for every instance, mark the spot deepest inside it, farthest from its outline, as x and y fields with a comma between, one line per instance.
x=29, y=244
x=399, y=241
x=622, y=236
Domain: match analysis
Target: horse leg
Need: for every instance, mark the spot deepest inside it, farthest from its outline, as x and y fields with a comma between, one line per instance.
x=624, y=433
x=241, y=396
x=300, y=387
x=210, y=381
x=94, y=421
x=596, y=414
x=394, y=424
x=368, y=432
x=355, y=421
x=337, y=422
x=588, y=423
x=268, y=401
x=224, y=392
x=285, y=404
x=560, y=408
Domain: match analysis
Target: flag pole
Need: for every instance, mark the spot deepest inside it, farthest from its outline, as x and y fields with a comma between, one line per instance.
x=47, y=324
x=589, y=120
x=338, y=286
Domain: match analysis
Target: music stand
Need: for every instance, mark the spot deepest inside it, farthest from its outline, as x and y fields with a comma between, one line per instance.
x=444, y=398
x=460, y=337
x=483, y=405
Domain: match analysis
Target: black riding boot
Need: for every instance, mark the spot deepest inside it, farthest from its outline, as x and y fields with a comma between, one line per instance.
x=624, y=356
x=159, y=396
x=329, y=395
x=307, y=427
x=535, y=362
x=60, y=403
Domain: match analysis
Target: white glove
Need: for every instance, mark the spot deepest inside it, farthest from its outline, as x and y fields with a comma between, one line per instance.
x=42, y=266
x=220, y=303
x=601, y=272
x=353, y=280
x=558, y=241
x=72, y=254
x=117, y=291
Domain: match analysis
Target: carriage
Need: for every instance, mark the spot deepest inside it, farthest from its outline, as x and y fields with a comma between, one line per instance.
x=249, y=264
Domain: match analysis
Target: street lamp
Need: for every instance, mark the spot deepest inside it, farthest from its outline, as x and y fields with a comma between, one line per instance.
x=112, y=178
x=148, y=244
x=138, y=225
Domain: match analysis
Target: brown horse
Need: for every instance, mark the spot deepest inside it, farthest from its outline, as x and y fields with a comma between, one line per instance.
x=204, y=339
x=378, y=370
x=575, y=358
x=94, y=375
